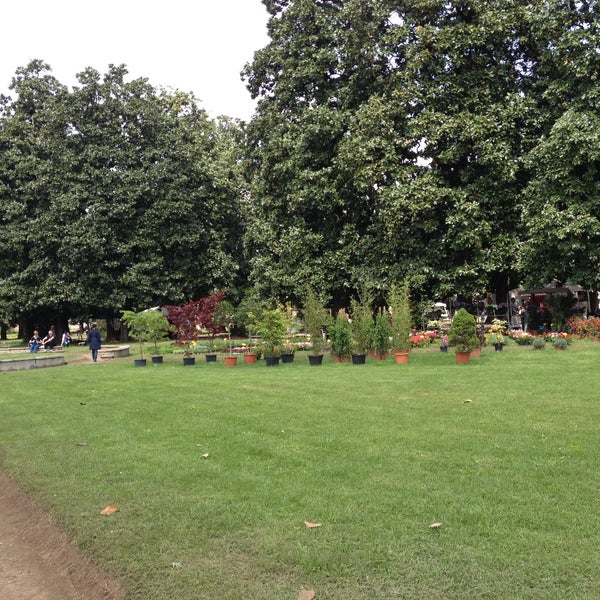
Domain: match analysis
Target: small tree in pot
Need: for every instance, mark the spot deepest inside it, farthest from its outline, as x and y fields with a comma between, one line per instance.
x=340, y=336
x=148, y=326
x=316, y=318
x=463, y=333
x=382, y=333
x=401, y=320
x=361, y=310
x=272, y=328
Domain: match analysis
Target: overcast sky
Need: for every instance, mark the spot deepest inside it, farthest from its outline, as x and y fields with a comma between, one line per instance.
x=192, y=45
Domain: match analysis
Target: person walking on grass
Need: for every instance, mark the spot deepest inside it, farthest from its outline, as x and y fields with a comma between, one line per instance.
x=94, y=340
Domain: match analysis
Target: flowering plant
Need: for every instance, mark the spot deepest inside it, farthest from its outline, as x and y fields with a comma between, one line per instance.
x=497, y=339
x=521, y=337
x=589, y=327
x=421, y=339
x=557, y=339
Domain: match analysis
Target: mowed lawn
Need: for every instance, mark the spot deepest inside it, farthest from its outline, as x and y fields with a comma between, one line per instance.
x=215, y=472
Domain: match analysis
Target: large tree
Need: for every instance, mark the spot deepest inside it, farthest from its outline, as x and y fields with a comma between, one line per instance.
x=130, y=204
x=561, y=205
x=388, y=141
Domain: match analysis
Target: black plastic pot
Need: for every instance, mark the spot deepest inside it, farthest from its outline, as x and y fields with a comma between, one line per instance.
x=211, y=358
x=189, y=360
x=359, y=359
x=272, y=361
x=157, y=360
x=315, y=359
x=140, y=362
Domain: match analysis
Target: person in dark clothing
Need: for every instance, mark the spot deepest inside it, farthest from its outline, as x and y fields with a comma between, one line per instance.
x=94, y=340
x=49, y=341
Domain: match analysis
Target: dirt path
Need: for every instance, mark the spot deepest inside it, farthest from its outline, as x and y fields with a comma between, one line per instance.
x=37, y=561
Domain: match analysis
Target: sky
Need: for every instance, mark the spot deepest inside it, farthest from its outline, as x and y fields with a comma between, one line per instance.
x=197, y=46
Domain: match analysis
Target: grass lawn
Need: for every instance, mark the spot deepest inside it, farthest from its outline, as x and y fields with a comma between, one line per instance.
x=216, y=470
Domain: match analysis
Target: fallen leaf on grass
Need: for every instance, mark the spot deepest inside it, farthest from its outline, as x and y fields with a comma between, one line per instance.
x=109, y=510
x=312, y=525
x=467, y=400
x=205, y=455
x=81, y=444
x=435, y=525
x=306, y=594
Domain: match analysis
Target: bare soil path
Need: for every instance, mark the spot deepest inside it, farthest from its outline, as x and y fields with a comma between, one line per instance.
x=37, y=560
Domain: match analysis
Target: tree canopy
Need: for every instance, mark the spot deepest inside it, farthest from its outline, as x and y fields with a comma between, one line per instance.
x=453, y=145
x=114, y=195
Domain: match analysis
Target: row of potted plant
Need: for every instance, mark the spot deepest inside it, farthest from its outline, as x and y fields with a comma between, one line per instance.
x=349, y=336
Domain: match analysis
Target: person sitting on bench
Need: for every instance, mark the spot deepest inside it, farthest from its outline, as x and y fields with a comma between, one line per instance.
x=34, y=342
x=49, y=341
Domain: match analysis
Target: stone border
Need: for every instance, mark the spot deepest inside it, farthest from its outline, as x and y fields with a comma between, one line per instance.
x=35, y=362
x=113, y=352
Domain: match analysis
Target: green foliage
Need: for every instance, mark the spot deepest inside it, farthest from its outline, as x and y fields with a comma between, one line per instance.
x=401, y=316
x=316, y=318
x=361, y=309
x=382, y=332
x=272, y=329
x=463, y=331
x=147, y=326
x=340, y=336
x=113, y=195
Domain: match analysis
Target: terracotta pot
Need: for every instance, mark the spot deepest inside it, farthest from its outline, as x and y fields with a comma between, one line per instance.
x=231, y=361
x=338, y=359
x=476, y=352
x=401, y=357
x=250, y=358
x=463, y=357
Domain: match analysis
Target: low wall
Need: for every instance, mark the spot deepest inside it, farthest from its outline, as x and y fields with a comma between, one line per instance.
x=26, y=349
x=35, y=362
x=113, y=352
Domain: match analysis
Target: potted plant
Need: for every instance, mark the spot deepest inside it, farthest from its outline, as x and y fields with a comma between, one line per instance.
x=149, y=325
x=463, y=335
x=382, y=332
x=362, y=325
x=539, y=343
x=497, y=340
x=287, y=352
x=560, y=342
x=401, y=321
x=185, y=320
x=206, y=316
x=340, y=338
x=316, y=318
x=225, y=317
x=272, y=330
x=248, y=313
